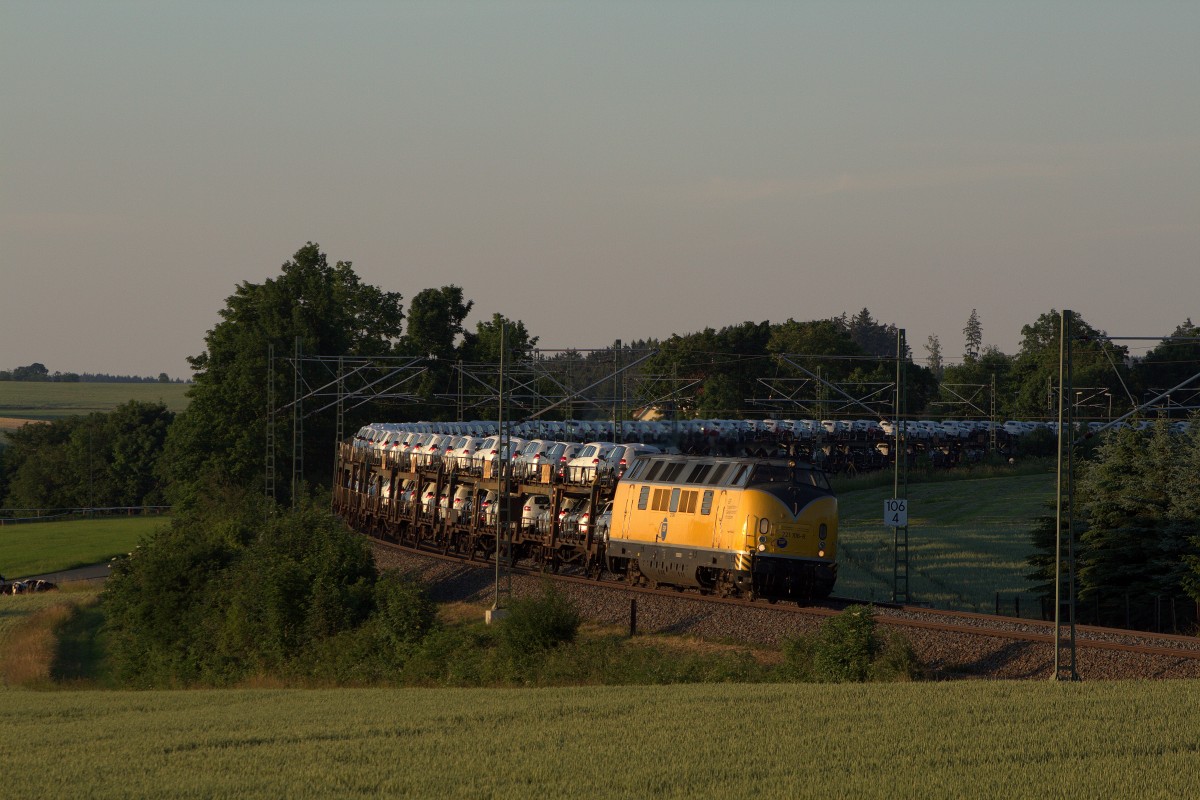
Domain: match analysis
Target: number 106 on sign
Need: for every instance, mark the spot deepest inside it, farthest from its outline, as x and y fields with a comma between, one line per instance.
x=895, y=512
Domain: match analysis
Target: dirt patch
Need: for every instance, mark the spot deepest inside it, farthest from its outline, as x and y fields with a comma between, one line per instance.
x=12, y=423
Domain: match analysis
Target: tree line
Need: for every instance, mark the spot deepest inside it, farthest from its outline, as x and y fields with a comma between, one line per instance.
x=37, y=373
x=749, y=369
x=141, y=453
x=100, y=460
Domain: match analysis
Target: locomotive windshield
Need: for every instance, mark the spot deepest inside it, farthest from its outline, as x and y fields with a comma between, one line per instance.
x=780, y=472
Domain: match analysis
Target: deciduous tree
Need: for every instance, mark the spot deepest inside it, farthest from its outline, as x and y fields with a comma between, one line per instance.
x=1097, y=363
x=332, y=313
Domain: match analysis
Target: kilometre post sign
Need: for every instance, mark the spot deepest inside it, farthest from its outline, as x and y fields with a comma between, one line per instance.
x=895, y=512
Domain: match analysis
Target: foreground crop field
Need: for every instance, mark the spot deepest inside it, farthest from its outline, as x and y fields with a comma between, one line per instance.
x=23, y=400
x=37, y=548
x=974, y=739
x=968, y=539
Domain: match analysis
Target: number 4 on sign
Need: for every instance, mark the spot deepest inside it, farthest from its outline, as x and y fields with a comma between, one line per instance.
x=895, y=512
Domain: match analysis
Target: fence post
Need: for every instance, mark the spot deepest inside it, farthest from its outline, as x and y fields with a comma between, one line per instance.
x=1017, y=606
x=997, y=604
x=633, y=616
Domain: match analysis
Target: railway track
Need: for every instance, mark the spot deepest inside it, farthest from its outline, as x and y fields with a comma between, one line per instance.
x=954, y=643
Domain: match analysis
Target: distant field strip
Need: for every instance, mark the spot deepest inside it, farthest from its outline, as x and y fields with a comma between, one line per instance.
x=971, y=739
x=26, y=400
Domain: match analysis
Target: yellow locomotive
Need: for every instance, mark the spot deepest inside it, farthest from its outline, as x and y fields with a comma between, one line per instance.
x=757, y=527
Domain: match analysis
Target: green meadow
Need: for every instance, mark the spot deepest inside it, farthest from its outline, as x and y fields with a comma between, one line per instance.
x=967, y=540
x=964, y=739
x=49, y=400
x=37, y=548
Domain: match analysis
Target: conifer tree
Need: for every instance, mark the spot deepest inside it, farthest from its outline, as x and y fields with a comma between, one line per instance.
x=1119, y=540
x=973, y=334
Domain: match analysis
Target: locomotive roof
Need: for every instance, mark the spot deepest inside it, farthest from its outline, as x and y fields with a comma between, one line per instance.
x=719, y=470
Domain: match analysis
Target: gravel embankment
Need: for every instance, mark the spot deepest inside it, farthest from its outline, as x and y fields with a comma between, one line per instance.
x=948, y=654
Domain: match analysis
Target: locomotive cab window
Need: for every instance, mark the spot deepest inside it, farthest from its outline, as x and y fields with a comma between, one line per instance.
x=805, y=476
x=635, y=472
x=739, y=475
x=770, y=473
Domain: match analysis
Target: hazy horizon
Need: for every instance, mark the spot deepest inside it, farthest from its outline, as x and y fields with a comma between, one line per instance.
x=599, y=171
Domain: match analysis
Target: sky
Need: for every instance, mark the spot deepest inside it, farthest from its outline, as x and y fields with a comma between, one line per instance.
x=598, y=170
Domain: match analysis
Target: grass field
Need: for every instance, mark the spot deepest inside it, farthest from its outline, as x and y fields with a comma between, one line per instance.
x=968, y=539
x=45, y=400
x=41, y=547
x=970, y=739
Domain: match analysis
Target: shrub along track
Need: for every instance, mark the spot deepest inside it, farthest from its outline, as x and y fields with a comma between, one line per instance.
x=951, y=644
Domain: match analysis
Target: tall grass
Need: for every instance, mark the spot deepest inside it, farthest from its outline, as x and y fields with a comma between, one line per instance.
x=32, y=648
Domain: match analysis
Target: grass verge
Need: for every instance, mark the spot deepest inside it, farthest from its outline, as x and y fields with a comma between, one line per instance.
x=50, y=637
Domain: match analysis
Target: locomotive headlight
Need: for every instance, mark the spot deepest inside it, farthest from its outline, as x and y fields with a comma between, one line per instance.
x=762, y=547
x=821, y=553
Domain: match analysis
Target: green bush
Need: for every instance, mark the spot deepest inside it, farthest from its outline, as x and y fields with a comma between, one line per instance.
x=797, y=660
x=536, y=624
x=237, y=589
x=454, y=657
x=845, y=646
x=848, y=648
x=897, y=661
x=404, y=615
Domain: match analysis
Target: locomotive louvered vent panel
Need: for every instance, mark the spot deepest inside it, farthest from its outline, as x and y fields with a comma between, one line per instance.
x=643, y=498
x=706, y=503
